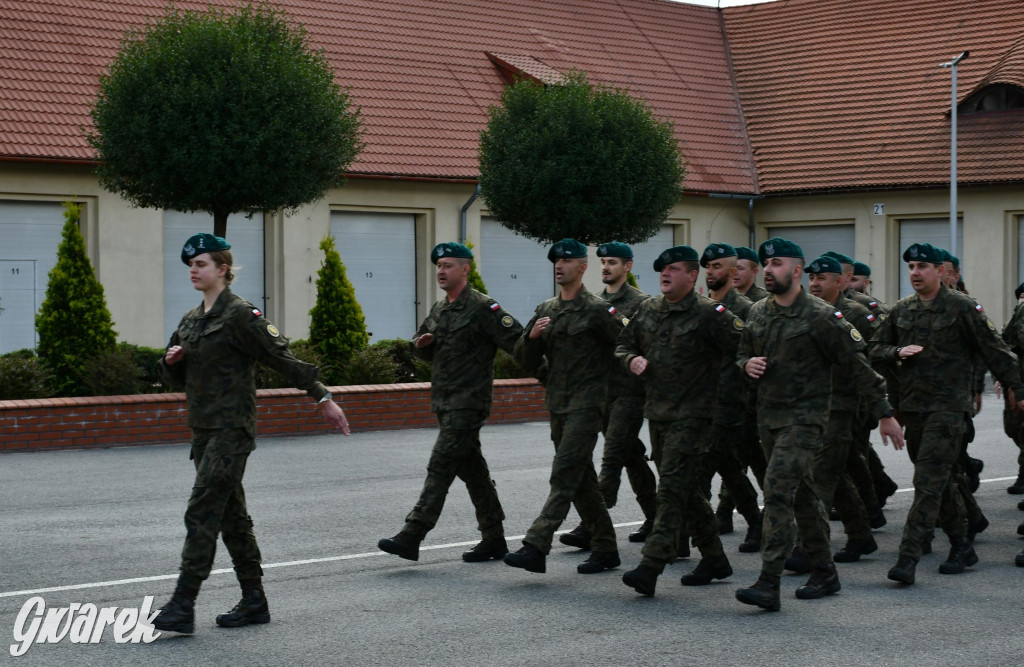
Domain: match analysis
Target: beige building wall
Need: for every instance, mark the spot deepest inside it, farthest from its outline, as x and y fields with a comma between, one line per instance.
x=125, y=243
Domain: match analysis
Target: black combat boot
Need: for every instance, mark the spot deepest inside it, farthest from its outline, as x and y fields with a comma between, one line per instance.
x=643, y=580
x=961, y=556
x=683, y=545
x=885, y=490
x=1017, y=487
x=1019, y=560
x=854, y=549
x=752, y=542
x=824, y=581
x=403, y=544
x=251, y=609
x=599, y=561
x=764, y=593
x=641, y=533
x=978, y=526
x=1020, y=505
x=486, y=549
x=903, y=570
x=178, y=615
x=528, y=558
x=798, y=562
x=1020, y=529
x=973, y=472
x=716, y=567
x=578, y=537
x=876, y=518
x=724, y=516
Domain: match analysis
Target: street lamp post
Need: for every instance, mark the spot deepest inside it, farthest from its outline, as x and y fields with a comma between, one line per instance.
x=952, y=153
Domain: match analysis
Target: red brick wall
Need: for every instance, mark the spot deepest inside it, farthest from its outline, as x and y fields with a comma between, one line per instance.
x=107, y=421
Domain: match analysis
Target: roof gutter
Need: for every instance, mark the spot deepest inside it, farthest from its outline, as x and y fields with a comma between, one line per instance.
x=462, y=214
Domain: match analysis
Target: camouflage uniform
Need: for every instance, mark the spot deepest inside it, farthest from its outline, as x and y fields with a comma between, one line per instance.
x=687, y=345
x=755, y=293
x=1013, y=420
x=221, y=348
x=805, y=344
x=733, y=442
x=577, y=346
x=467, y=333
x=623, y=419
x=935, y=398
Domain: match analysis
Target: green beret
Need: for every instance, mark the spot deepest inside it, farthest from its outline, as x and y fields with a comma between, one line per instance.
x=456, y=250
x=202, y=243
x=1020, y=290
x=779, y=247
x=679, y=253
x=743, y=252
x=824, y=264
x=567, y=249
x=716, y=251
x=861, y=269
x=838, y=256
x=615, y=249
x=924, y=252
x=953, y=258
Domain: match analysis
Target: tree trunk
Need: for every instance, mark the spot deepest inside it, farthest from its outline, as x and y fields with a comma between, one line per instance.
x=220, y=224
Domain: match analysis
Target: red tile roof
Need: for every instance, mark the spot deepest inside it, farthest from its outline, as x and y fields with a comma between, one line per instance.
x=419, y=69
x=849, y=93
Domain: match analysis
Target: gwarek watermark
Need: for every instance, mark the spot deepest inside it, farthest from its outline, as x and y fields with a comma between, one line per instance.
x=81, y=624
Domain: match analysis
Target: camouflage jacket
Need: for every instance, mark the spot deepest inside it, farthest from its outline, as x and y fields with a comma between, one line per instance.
x=221, y=349
x=844, y=395
x=1013, y=334
x=578, y=346
x=626, y=301
x=875, y=306
x=467, y=333
x=731, y=407
x=952, y=328
x=687, y=345
x=755, y=293
x=804, y=345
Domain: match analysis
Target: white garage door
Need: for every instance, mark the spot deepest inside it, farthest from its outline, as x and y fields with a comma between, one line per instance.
x=817, y=240
x=379, y=254
x=29, y=236
x=515, y=269
x=644, y=255
x=246, y=239
x=925, y=230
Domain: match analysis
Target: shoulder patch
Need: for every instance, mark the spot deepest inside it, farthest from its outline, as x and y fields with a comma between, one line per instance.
x=611, y=310
x=256, y=312
x=872, y=304
x=720, y=308
x=871, y=318
x=495, y=306
x=988, y=321
x=272, y=330
x=737, y=324
x=625, y=321
x=978, y=308
x=854, y=334
x=507, y=321
x=838, y=315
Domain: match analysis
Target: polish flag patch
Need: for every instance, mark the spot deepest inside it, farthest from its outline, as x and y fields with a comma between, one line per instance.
x=256, y=312
x=979, y=308
x=839, y=315
x=611, y=309
x=720, y=308
x=495, y=306
x=871, y=318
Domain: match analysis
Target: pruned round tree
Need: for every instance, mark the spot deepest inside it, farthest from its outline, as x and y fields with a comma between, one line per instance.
x=576, y=160
x=222, y=112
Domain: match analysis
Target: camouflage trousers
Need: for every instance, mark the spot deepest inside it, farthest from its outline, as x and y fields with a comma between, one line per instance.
x=574, y=481
x=791, y=497
x=751, y=455
x=681, y=502
x=933, y=443
x=1013, y=426
x=830, y=477
x=861, y=474
x=217, y=506
x=723, y=458
x=623, y=419
x=457, y=453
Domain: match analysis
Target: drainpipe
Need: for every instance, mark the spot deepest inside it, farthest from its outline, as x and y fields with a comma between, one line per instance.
x=462, y=215
x=750, y=211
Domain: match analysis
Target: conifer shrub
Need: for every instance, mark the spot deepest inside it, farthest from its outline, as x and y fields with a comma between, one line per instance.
x=23, y=375
x=337, y=330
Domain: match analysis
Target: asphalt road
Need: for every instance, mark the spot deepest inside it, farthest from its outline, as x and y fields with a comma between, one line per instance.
x=105, y=527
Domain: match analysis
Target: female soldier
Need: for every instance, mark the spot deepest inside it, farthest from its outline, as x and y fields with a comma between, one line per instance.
x=213, y=353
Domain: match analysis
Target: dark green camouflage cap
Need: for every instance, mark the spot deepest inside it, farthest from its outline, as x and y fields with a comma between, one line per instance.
x=861, y=269
x=824, y=264
x=679, y=253
x=567, y=249
x=743, y=252
x=716, y=251
x=202, y=243
x=450, y=249
x=924, y=252
x=778, y=247
x=615, y=249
